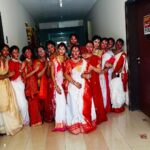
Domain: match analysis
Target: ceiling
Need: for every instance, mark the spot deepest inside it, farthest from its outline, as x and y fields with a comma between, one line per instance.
x=50, y=10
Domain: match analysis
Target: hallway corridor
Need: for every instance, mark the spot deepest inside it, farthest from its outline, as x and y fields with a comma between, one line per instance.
x=126, y=131
x=47, y=28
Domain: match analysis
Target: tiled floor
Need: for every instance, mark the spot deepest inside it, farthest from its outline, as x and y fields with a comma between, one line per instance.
x=125, y=131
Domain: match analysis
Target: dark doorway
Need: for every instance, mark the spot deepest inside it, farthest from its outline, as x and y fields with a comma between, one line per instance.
x=62, y=34
x=138, y=45
x=1, y=31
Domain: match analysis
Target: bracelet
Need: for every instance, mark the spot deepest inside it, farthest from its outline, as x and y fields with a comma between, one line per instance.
x=117, y=74
x=73, y=82
x=56, y=86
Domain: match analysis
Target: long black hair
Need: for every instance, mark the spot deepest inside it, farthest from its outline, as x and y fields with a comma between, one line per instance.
x=13, y=48
x=22, y=57
x=61, y=45
x=2, y=46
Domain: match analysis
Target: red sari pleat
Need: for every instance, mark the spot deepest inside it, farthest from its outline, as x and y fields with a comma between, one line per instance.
x=124, y=77
x=89, y=124
x=108, y=105
x=45, y=102
x=31, y=92
x=51, y=106
x=96, y=91
x=106, y=77
x=118, y=67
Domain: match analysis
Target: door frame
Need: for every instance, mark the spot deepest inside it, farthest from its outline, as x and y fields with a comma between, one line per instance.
x=133, y=53
x=1, y=30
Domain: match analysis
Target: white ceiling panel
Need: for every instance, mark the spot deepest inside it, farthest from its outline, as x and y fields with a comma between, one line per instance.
x=50, y=10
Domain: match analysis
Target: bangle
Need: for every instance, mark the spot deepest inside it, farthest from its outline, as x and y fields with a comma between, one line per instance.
x=117, y=74
x=73, y=82
x=55, y=86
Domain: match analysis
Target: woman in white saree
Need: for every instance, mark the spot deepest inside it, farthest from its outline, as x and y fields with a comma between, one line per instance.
x=57, y=70
x=80, y=112
x=119, y=82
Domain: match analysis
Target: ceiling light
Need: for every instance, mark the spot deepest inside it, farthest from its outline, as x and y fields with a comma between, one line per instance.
x=60, y=3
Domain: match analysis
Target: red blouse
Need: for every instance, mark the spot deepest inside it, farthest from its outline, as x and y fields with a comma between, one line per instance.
x=14, y=66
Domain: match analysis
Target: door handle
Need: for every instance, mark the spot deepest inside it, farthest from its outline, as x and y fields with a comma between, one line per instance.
x=138, y=58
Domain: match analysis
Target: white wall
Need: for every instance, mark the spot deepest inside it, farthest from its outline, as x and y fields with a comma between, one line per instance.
x=89, y=26
x=108, y=18
x=14, y=17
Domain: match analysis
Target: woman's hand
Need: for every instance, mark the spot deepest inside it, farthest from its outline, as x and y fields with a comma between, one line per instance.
x=77, y=84
x=91, y=68
x=23, y=65
x=108, y=65
x=46, y=64
x=37, y=67
x=10, y=74
x=49, y=64
x=58, y=90
x=86, y=75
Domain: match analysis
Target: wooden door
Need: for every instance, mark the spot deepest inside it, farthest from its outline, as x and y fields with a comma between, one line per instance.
x=138, y=46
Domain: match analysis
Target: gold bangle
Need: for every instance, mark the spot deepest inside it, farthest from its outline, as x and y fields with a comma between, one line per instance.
x=73, y=82
x=55, y=86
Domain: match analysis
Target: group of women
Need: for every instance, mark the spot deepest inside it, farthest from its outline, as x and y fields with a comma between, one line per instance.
x=71, y=86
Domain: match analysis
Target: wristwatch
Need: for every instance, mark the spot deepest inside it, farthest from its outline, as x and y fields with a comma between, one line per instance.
x=117, y=74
